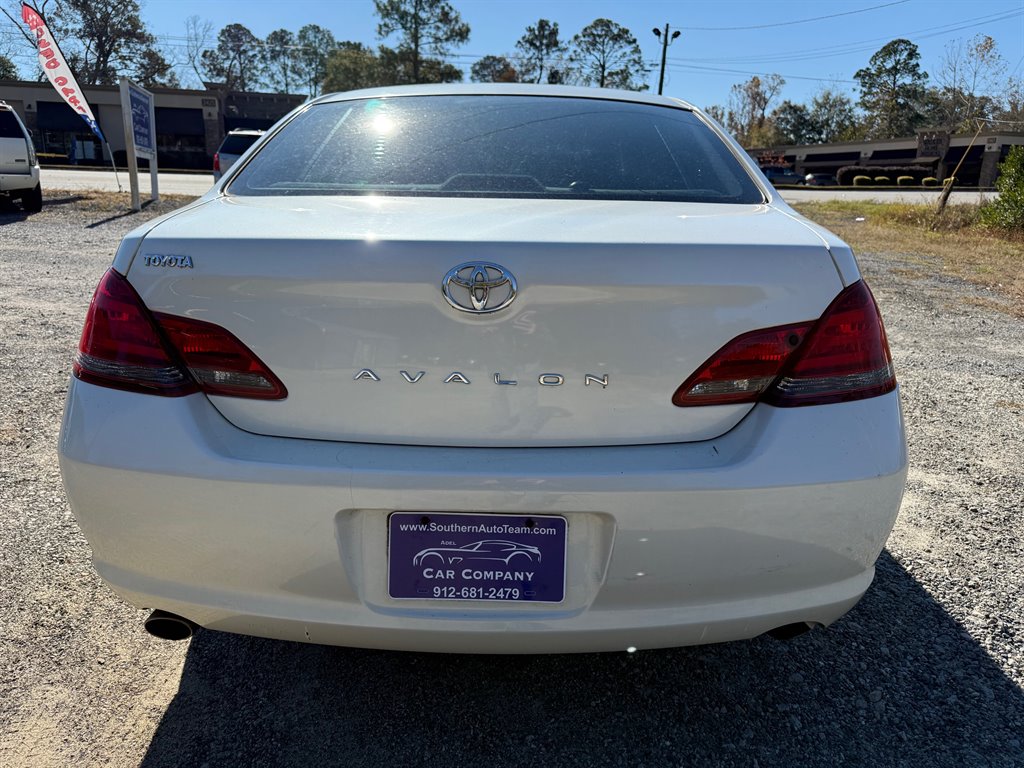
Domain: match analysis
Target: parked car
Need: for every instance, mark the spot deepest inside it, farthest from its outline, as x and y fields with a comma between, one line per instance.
x=574, y=322
x=235, y=144
x=820, y=180
x=19, y=166
x=783, y=176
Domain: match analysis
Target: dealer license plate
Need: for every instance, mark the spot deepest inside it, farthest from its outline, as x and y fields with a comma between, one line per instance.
x=497, y=558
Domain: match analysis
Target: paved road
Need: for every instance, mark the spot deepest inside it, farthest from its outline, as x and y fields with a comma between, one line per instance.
x=197, y=184
x=104, y=181
x=882, y=195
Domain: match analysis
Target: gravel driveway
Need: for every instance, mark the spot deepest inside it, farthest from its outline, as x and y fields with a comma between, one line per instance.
x=927, y=670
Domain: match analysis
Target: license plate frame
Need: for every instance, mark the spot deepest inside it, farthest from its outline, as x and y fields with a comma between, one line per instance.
x=463, y=556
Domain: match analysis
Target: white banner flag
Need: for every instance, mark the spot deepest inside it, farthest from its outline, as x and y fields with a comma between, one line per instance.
x=57, y=69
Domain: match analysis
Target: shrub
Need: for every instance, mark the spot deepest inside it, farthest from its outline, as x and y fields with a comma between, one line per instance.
x=844, y=176
x=1007, y=210
x=905, y=181
x=862, y=181
x=929, y=181
x=882, y=180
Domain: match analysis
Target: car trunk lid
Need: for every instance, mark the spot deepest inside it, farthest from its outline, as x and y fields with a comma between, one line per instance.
x=618, y=302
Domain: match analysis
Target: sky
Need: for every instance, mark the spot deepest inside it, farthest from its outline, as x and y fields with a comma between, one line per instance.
x=721, y=43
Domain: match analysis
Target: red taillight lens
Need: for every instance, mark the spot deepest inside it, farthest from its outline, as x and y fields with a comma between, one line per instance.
x=219, y=362
x=126, y=347
x=741, y=370
x=121, y=346
x=216, y=161
x=843, y=356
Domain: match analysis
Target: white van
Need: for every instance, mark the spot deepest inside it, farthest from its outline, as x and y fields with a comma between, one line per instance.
x=19, y=166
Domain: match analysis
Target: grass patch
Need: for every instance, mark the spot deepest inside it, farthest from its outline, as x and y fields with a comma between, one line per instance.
x=110, y=202
x=957, y=239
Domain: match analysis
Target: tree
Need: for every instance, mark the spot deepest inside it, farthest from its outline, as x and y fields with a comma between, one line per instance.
x=198, y=34
x=608, y=56
x=281, y=61
x=537, y=47
x=970, y=78
x=426, y=26
x=237, y=61
x=102, y=38
x=7, y=69
x=716, y=112
x=1007, y=210
x=16, y=35
x=748, y=110
x=352, y=66
x=494, y=69
x=11, y=40
x=152, y=69
x=1013, y=109
x=793, y=123
x=316, y=45
x=833, y=117
x=891, y=90
x=398, y=67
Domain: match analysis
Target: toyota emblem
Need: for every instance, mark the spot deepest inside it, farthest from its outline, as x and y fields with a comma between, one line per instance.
x=479, y=287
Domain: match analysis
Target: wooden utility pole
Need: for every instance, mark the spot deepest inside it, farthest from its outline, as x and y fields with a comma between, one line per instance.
x=947, y=189
x=665, y=40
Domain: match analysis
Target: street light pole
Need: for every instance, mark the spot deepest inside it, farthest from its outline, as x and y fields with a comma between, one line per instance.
x=665, y=40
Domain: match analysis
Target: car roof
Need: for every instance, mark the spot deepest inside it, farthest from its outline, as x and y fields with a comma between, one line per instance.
x=505, y=89
x=246, y=131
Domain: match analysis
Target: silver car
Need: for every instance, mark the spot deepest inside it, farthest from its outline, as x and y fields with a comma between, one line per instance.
x=235, y=144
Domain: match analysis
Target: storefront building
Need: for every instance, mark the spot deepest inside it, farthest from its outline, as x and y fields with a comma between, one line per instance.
x=190, y=124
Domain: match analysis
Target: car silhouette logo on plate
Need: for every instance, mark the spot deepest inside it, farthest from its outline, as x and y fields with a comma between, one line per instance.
x=479, y=287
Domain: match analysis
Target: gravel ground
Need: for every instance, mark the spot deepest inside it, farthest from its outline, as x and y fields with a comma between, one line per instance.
x=926, y=670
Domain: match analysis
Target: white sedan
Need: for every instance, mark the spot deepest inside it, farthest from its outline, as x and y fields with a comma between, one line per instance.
x=579, y=322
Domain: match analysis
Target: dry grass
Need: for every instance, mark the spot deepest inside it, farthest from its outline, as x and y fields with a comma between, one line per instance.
x=956, y=240
x=109, y=202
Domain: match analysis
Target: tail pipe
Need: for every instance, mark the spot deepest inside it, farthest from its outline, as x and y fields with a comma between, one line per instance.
x=789, y=631
x=170, y=626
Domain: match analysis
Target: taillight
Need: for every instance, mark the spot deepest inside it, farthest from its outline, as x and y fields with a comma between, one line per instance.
x=121, y=346
x=844, y=355
x=125, y=346
x=741, y=370
x=216, y=161
x=218, y=361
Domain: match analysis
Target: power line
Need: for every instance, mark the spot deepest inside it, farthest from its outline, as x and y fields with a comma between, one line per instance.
x=721, y=70
x=798, y=21
x=861, y=46
x=1014, y=72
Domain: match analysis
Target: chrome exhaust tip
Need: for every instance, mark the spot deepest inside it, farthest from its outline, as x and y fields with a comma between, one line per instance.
x=169, y=626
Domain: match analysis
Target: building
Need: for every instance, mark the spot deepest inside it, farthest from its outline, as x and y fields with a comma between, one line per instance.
x=937, y=153
x=189, y=124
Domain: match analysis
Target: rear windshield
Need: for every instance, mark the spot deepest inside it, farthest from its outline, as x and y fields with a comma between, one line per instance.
x=237, y=144
x=498, y=146
x=9, y=128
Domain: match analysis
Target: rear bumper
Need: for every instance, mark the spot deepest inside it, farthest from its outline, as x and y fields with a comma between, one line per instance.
x=16, y=183
x=778, y=521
